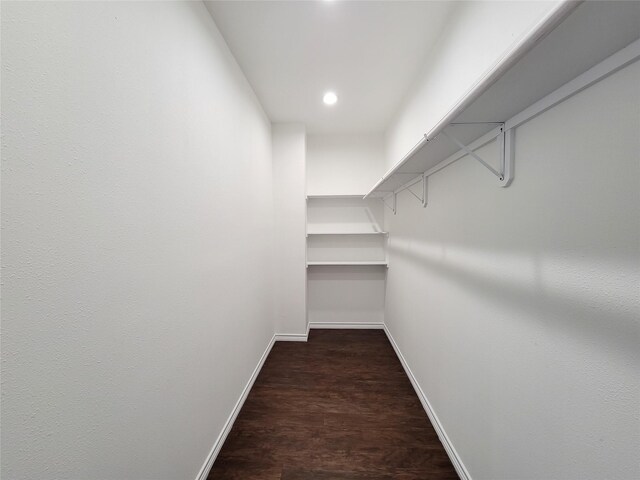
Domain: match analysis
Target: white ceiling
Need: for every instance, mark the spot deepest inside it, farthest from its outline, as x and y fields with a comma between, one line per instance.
x=367, y=52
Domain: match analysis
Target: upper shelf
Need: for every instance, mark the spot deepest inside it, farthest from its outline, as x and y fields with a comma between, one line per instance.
x=538, y=72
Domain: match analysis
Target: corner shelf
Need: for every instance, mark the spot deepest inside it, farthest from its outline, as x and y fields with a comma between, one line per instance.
x=311, y=197
x=346, y=259
x=573, y=47
x=347, y=233
x=377, y=263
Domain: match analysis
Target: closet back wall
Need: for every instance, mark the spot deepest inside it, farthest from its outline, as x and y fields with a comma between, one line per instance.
x=343, y=164
x=137, y=262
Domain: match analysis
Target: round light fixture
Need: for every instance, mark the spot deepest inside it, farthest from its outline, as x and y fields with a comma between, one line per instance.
x=330, y=98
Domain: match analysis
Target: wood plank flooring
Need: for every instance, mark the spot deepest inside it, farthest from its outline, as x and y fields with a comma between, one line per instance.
x=335, y=408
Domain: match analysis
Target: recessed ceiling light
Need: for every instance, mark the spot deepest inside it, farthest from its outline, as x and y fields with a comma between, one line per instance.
x=330, y=98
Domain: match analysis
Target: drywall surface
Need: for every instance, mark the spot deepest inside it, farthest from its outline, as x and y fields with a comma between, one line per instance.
x=518, y=309
x=346, y=248
x=343, y=164
x=345, y=215
x=346, y=295
x=475, y=38
x=137, y=273
x=289, y=144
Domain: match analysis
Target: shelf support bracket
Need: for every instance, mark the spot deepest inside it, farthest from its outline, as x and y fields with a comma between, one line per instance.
x=423, y=183
x=468, y=151
x=507, y=154
x=391, y=207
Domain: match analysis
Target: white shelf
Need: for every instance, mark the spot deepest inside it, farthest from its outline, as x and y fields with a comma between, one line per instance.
x=345, y=214
x=380, y=263
x=569, y=50
x=347, y=233
x=346, y=259
x=320, y=197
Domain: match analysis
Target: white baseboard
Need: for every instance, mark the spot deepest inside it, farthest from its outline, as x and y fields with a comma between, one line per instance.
x=463, y=473
x=291, y=337
x=366, y=326
x=206, y=468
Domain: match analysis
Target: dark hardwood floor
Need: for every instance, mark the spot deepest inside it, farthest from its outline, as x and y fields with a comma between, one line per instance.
x=337, y=407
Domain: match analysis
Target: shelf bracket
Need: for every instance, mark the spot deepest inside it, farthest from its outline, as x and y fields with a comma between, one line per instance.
x=503, y=164
x=391, y=207
x=423, y=183
x=507, y=154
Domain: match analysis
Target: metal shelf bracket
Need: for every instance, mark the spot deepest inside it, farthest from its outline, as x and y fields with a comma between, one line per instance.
x=505, y=170
x=391, y=207
x=423, y=184
x=507, y=153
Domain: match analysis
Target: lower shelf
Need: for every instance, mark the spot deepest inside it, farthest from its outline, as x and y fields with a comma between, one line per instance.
x=374, y=262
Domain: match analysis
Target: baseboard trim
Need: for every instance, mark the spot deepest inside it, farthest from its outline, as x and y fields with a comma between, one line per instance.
x=291, y=337
x=463, y=473
x=329, y=325
x=206, y=468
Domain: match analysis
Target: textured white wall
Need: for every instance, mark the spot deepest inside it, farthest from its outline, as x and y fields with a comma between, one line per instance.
x=346, y=294
x=518, y=309
x=289, y=145
x=476, y=36
x=136, y=239
x=343, y=164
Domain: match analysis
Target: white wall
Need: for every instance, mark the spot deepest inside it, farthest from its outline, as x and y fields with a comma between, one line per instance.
x=343, y=164
x=518, y=309
x=289, y=146
x=346, y=296
x=137, y=221
x=476, y=37
x=344, y=215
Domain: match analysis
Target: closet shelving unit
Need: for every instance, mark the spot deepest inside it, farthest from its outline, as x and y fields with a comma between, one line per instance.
x=573, y=47
x=345, y=230
x=346, y=260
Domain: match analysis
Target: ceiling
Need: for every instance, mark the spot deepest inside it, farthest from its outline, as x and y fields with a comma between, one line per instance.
x=367, y=52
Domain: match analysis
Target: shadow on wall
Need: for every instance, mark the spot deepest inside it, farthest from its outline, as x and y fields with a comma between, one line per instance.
x=599, y=305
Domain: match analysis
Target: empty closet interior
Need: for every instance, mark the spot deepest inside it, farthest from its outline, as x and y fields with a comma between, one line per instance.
x=187, y=184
